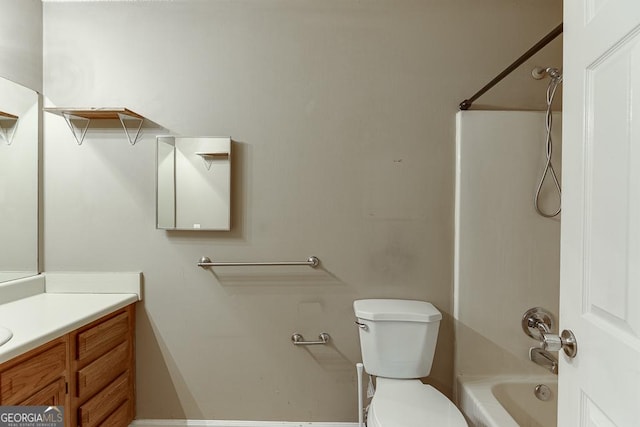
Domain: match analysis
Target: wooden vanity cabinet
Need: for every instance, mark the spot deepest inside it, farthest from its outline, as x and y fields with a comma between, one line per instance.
x=102, y=362
x=90, y=371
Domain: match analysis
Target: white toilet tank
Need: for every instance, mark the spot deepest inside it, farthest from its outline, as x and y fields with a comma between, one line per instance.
x=397, y=337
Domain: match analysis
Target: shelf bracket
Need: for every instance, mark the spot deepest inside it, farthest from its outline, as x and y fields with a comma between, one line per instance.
x=208, y=158
x=78, y=131
x=8, y=129
x=78, y=120
x=137, y=127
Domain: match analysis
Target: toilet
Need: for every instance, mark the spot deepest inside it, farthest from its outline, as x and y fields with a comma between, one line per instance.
x=398, y=341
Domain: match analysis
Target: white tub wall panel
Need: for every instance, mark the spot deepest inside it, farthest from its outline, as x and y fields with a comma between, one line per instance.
x=343, y=134
x=507, y=256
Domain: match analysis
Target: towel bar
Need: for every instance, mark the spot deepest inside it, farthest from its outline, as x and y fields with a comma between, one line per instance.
x=206, y=262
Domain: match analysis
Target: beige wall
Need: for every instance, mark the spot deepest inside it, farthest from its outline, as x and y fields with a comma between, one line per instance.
x=21, y=42
x=342, y=115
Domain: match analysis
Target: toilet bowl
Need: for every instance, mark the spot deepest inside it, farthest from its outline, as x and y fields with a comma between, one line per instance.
x=409, y=403
x=397, y=341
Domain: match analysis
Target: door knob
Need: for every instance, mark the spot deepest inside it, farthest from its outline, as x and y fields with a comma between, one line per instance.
x=565, y=341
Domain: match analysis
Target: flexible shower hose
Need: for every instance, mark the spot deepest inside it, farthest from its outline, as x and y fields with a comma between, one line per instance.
x=556, y=79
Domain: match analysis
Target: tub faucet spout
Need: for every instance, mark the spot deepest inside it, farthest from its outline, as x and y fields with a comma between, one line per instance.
x=544, y=358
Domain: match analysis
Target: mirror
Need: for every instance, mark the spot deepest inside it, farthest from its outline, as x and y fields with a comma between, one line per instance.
x=193, y=183
x=19, y=134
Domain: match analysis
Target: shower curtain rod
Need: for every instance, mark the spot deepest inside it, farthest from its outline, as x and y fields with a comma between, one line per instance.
x=464, y=105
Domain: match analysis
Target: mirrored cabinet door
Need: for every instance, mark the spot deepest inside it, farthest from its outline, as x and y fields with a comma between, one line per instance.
x=193, y=183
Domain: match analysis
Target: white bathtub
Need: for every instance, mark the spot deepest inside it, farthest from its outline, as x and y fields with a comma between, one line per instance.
x=507, y=401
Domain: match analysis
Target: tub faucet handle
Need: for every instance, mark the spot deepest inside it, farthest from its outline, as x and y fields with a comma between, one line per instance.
x=537, y=321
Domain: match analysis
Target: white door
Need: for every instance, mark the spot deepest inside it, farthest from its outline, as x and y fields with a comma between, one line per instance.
x=600, y=255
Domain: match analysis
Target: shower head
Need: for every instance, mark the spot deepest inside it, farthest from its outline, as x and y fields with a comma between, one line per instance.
x=539, y=73
x=555, y=74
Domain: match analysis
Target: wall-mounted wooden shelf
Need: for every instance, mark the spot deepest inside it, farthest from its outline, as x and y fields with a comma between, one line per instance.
x=85, y=115
x=7, y=126
x=210, y=156
x=216, y=155
x=7, y=116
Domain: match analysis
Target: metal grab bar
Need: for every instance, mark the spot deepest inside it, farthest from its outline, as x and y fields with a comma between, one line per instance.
x=206, y=262
x=298, y=339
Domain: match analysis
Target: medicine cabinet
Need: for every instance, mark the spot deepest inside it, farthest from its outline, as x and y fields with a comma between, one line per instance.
x=193, y=183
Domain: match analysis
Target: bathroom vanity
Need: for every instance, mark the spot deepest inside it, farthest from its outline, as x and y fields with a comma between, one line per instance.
x=73, y=345
x=89, y=370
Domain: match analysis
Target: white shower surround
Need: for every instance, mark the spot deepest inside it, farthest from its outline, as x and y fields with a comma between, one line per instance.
x=507, y=257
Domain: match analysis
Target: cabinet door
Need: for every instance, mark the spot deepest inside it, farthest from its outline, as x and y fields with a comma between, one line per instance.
x=51, y=395
x=22, y=376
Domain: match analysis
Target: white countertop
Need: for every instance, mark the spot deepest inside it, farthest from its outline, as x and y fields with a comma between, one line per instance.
x=40, y=318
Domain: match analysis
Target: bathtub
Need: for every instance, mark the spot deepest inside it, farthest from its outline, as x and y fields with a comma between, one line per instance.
x=508, y=401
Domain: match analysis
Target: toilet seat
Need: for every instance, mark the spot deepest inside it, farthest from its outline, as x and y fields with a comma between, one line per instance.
x=409, y=403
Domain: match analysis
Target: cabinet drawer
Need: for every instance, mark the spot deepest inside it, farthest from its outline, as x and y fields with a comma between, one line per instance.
x=101, y=338
x=34, y=373
x=121, y=417
x=102, y=371
x=93, y=412
x=51, y=395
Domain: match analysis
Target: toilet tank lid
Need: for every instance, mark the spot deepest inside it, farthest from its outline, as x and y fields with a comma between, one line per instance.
x=396, y=309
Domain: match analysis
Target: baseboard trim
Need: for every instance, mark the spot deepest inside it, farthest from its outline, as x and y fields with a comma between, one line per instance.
x=217, y=423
